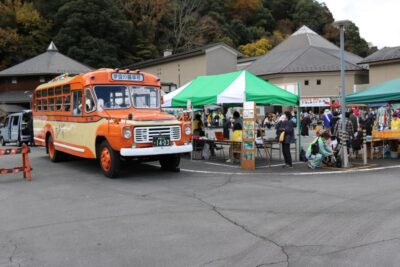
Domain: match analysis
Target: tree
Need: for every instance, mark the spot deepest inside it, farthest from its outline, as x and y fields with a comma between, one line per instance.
x=354, y=43
x=184, y=17
x=312, y=14
x=23, y=32
x=257, y=48
x=146, y=17
x=94, y=32
x=243, y=9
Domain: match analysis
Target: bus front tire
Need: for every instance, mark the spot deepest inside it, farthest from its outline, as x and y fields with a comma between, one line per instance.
x=2, y=142
x=109, y=160
x=170, y=162
x=54, y=154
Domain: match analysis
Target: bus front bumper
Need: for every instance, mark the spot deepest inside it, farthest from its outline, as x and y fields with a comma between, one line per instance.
x=154, y=151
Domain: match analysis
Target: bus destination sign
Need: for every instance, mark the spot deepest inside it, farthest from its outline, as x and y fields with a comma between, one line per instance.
x=132, y=77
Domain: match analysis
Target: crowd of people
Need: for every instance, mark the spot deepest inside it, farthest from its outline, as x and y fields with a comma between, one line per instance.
x=329, y=136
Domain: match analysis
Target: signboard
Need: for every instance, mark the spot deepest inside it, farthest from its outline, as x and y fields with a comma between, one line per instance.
x=248, y=137
x=131, y=77
x=315, y=101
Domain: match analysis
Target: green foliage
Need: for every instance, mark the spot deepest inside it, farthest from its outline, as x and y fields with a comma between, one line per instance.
x=23, y=32
x=94, y=31
x=108, y=33
x=312, y=14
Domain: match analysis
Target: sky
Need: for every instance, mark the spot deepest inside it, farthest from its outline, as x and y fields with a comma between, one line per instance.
x=378, y=20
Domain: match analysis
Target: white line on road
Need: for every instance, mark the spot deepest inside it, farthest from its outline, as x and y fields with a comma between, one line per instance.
x=295, y=173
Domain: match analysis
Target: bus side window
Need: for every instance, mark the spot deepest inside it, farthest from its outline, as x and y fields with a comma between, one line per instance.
x=77, y=102
x=67, y=103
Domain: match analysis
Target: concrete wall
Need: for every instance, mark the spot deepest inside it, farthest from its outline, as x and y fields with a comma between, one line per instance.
x=379, y=73
x=330, y=82
x=220, y=60
x=181, y=71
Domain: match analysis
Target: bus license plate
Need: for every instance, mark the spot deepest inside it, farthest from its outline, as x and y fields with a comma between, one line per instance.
x=161, y=141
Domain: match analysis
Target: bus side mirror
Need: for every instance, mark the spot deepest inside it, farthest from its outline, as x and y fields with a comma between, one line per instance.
x=100, y=105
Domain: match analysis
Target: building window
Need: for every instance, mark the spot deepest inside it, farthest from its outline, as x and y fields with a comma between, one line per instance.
x=318, y=82
x=41, y=79
x=14, y=80
x=306, y=82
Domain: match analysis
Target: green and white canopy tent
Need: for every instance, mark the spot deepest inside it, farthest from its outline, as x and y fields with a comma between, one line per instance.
x=229, y=88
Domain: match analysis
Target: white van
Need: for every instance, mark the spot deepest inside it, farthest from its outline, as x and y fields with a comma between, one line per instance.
x=17, y=128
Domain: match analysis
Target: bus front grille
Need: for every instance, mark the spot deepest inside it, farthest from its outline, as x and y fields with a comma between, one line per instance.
x=146, y=134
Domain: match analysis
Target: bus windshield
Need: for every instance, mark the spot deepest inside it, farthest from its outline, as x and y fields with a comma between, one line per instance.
x=114, y=96
x=145, y=97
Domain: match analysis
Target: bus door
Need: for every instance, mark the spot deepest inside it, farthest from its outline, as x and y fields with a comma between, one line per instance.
x=77, y=103
x=15, y=128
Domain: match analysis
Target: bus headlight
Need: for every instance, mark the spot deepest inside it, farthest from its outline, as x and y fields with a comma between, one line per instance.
x=126, y=132
x=188, y=130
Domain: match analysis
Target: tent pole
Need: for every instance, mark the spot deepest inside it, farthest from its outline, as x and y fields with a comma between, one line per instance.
x=298, y=146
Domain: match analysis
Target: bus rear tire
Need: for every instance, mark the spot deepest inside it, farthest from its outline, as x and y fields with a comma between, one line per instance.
x=170, y=162
x=2, y=142
x=109, y=160
x=54, y=154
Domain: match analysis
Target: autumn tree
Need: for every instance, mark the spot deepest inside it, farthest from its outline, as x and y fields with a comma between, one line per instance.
x=243, y=9
x=23, y=32
x=257, y=48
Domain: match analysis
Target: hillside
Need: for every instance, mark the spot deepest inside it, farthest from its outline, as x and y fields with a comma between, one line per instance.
x=120, y=32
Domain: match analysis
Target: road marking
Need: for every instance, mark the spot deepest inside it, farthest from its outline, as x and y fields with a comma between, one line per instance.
x=295, y=173
x=221, y=164
x=259, y=167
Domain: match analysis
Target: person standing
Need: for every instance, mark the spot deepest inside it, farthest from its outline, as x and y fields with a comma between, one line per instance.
x=327, y=117
x=287, y=126
x=305, y=124
x=334, y=120
x=198, y=126
x=349, y=130
x=353, y=120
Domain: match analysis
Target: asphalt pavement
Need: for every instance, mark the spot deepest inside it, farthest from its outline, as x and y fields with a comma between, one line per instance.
x=205, y=215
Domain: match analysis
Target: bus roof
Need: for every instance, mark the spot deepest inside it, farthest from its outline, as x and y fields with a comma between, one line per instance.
x=105, y=76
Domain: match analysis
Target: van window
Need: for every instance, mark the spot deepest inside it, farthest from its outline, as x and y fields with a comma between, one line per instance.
x=15, y=120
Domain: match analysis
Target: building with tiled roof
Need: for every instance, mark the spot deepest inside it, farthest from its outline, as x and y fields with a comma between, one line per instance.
x=18, y=81
x=384, y=65
x=178, y=69
x=311, y=61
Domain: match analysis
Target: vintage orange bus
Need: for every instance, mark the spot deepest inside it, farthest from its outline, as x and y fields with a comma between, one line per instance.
x=108, y=114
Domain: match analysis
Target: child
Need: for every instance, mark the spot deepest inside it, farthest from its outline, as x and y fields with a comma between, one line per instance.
x=234, y=149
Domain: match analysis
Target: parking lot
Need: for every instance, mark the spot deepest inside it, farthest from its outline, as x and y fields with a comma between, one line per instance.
x=205, y=215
